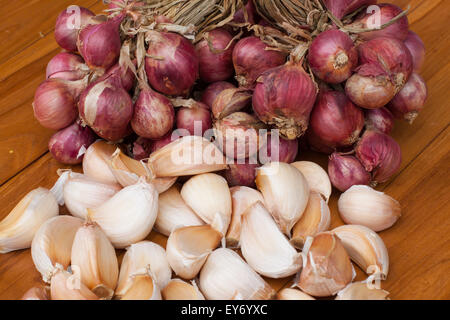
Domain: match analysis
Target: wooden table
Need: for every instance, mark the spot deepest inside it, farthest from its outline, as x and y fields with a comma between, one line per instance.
x=419, y=244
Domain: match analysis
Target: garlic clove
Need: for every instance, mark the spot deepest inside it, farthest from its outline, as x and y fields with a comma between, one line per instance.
x=143, y=287
x=264, y=247
x=52, y=244
x=128, y=217
x=315, y=219
x=361, y=291
x=293, y=294
x=96, y=162
x=144, y=255
x=95, y=258
x=365, y=206
x=285, y=191
x=173, y=213
x=189, y=247
x=316, y=176
x=177, y=289
x=365, y=248
x=210, y=198
x=18, y=228
x=37, y=293
x=226, y=275
x=66, y=286
x=327, y=267
x=186, y=156
x=242, y=198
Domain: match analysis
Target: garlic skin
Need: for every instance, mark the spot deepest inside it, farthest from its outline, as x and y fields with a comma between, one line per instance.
x=285, y=191
x=361, y=291
x=174, y=213
x=144, y=255
x=316, y=176
x=18, y=228
x=365, y=206
x=327, y=267
x=315, y=219
x=242, y=198
x=128, y=217
x=177, y=289
x=264, y=247
x=96, y=162
x=66, y=286
x=36, y=293
x=293, y=294
x=52, y=244
x=189, y=247
x=225, y=276
x=143, y=287
x=210, y=198
x=365, y=247
x=95, y=258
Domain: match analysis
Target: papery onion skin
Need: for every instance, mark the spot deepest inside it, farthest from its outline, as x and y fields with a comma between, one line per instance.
x=341, y=8
x=333, y=56
x=346, y=171
x=230, y=101
x=213, y=90
x=241, y=174
x=67, y=66
x=67, y=37
x=126, y=75
x=416, y=47
x=380, y=119
x=177, y=72
x=252, y=14
x=195, y=119
x=282, y=150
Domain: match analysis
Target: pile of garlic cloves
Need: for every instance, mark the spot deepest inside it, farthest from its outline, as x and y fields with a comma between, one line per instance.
x=221, y=241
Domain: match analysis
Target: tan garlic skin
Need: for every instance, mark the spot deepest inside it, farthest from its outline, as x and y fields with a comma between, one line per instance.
x=361, y=291
x=143, y=287
x=365, y=206
x=178, y=289
x=66, y=286
x=293, y=294
x=37, y=293
x=96, y=162
x=316, y=176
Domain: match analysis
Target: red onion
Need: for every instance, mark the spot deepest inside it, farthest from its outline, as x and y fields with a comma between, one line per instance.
x=142, y=148
x=241, y=175
x=68, y=145
x=417, y=49
x=251, y=59
x=69, y=22
x=177, y=71
x=284, y=97
x=67, y=66
x=380, y=155
x=252, y=15
x=107, y=108
x=195, y=118
x=279, y=150
x=213, y=90
x=380, y=119
x=341, y=8
x=126, y=75
x=230, y=101
x=215, y=55
x=333, y=56
x=335, y=120
x=410, y=100
x=346, y=171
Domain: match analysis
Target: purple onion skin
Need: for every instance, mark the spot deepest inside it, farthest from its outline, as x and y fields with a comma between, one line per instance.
x=65, y=145
x=141, y=148
x=380, y=155
x=380, y=119
x=285, y=151
x=417, y=49
x=213, y=90
x=346, y=171
x=67, y=37
x=67, y=66
x=241, y=175
x=189, y=118
x=127, y=76
x=340, y=8
x=162, y=142
x=252, y=14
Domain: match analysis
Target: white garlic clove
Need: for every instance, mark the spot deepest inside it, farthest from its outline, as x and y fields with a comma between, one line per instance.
x=366, y=248
x=242, y=198
x=264, y=247
x=94, y=257
x=143, y=287
x=189, y=247
x=285, y=191
x=209, y=196
x=144, y=255
x=96, y=162
x=18, y=228
x=365, y=206
x=293, y=294
x=316, y=176
x=315, y=219
x=66, y=286
x=128, y=217
x=174, y=213
x=226, y=275
x=52, y=244
x=362, y=291
x=37, y=293
x=177, y=289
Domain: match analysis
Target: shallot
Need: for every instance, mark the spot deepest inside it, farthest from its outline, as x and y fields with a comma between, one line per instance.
x=213, y=90
x=194, y=117
x=380, y=119
x=69, y=23
x=343, y=7
x=346, y=171
x=241, y=174
x=67, y=66
x=417, y=48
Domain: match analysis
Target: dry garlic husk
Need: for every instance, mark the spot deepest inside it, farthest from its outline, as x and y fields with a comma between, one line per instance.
x=225, y=276
x=18, y=228
x=316, y=176
x=177, y=289
x=285, y=192
x=189, y=247
x=174, y=213
x=242, y=198
x=95, y=258
x=327, y=267
x=144, y=255
x=128, y=217
x=186, y=156
x=52, y=244
x=365, y=248
x=264, y=247
x=96, y=162
x=365, y=206
x=293, y=294
x=210, y=198
x=67, y=286
x=37, y=293
x=362, y=291
x=315, y=219
x=142, y=287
